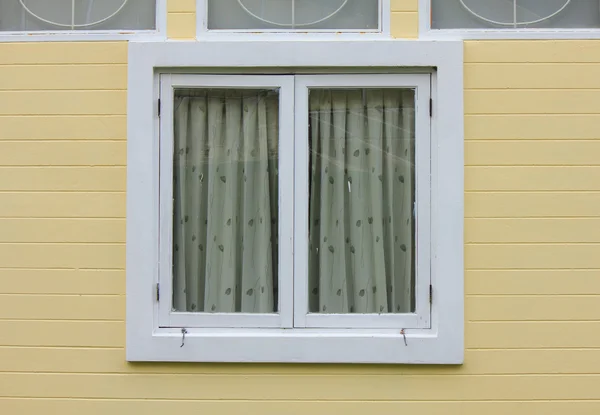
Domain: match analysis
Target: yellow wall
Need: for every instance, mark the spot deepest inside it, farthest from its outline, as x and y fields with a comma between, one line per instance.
x=532, y=254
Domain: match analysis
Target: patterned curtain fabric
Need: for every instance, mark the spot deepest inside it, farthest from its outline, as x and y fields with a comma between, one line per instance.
x=225, y=202
x=361, y=198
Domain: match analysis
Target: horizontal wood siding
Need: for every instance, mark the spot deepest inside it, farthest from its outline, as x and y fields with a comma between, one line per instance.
x=531, y=229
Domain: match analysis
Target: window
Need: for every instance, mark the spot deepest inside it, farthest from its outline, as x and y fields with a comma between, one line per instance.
x=515, y=14
x=228, y=144
x=80, y=15
x=279, y=213
x=293, y=15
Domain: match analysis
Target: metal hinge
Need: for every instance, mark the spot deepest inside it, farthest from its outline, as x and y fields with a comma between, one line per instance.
x=157, y=292
x=430, y=294
x=158, y=110
x=430, y=107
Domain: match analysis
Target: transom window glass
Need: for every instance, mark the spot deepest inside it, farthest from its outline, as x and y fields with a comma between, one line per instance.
x=295, y=201
x=53, y=15
x=294, y=15
x=515, y=14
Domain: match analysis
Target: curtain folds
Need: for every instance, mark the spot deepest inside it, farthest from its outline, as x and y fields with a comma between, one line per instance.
x=225, y=202
x=361, y=198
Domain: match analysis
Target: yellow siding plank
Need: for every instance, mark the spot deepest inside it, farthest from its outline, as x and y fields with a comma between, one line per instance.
x=528, y=76
x=523, y=205
x=532, y=102
x=559, y=256
x=532, y=127
x=181, y=6
x=293, y=387
x=69, y=77
x=405, y=5
x=62, y=333
x=62, y=230
x=545, y=335
x=63, y=153
x=62, y=256
x=555, y=230
x=532, y=178
x=181, y=26
x=534, y=308
x=532, y=153
x=62, y=307
x=66, y=406
x=527, y=282
x=48, y=53
x=405, y=25
x=62, y=281
x=63, y=102
x=526, y=51
x=63, y=128
x=62, y=178
x=63, y=205
x=482, y=362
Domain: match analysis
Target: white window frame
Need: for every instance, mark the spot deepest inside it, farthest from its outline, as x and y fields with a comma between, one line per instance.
x=157, y=34
x=284, y=318
x=421, y=83
x=441, y=342
x=427, y=32
x=204, y=33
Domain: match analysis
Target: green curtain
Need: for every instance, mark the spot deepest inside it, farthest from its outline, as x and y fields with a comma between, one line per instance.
x=225, y=202
x=361, y=201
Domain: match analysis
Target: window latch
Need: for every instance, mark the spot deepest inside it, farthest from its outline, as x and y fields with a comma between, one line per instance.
x=157, y=292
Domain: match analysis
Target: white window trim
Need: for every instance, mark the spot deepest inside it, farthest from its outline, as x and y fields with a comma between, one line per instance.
x=203, y=33
x=160, y=33
x=426, y=32
x=442, y=343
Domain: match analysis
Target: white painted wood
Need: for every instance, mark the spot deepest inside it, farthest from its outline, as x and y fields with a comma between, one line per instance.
x=443, y=342
x=421, y=318
x=167, y=316
x=159, y=34
x=203, y=33
x=427, y=33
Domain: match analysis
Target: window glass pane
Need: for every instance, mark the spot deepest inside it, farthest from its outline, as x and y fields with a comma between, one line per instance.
x=32, y=15
x=225, y=195
x=294, y=14
x=499, y=14
x=362, y=193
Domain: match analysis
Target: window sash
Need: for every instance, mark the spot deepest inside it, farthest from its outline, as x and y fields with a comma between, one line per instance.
x=166, y=316
x=293, y=217
x=421, y=317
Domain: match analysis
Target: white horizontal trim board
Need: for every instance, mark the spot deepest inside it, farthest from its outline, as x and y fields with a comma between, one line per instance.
x=439, y=340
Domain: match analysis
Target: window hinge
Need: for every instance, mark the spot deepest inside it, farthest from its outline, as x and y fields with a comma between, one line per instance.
x=430, y=294
x=158, y=110
x=157, y=292
x=430, y=107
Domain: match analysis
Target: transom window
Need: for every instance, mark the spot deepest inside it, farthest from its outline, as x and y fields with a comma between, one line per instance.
x=79, y=15
x=292, y=15
x=295, y=201
x=515, y=14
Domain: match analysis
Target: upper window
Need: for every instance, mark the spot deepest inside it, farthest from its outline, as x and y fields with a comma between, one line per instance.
x=293, y=15
x=515, y=14
x=80, y=15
